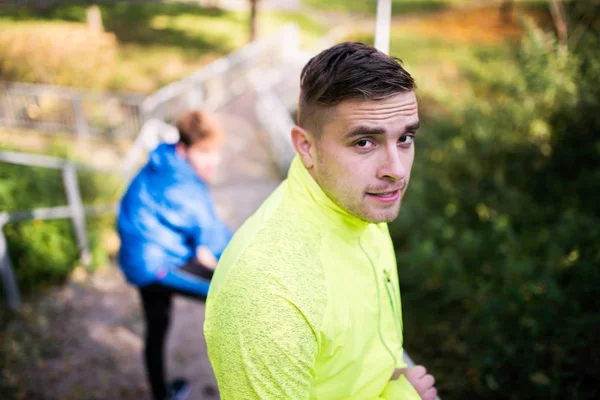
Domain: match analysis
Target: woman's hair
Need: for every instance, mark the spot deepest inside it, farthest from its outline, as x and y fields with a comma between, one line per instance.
x=199, y=127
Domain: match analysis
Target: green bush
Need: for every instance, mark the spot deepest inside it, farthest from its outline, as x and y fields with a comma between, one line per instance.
x=498, y=244
x=45, y=252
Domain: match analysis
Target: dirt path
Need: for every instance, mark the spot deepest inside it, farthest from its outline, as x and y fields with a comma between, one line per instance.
x=84, y=340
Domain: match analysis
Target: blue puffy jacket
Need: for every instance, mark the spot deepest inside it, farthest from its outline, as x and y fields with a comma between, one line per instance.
x=166, y=213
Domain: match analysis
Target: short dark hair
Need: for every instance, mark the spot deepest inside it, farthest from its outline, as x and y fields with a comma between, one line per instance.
x=199, y=126
x=347, y=71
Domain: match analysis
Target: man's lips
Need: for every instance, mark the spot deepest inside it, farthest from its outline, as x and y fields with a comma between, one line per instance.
x=388, y=196
x=383, y=193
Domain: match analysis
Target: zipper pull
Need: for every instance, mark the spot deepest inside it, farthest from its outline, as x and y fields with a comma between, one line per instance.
x=387, y=275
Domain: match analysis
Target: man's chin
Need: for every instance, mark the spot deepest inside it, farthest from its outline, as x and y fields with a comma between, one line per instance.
x=380, y=216
x=385, y=219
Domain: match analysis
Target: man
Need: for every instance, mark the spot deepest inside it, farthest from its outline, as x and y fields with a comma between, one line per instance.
x=305, y=302
x=170, y=234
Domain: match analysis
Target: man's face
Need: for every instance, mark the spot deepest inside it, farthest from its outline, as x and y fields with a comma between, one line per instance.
x=203, y=158
x=364, y=155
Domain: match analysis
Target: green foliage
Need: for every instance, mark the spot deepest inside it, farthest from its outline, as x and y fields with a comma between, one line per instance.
x=44, y=252
x=498, y=242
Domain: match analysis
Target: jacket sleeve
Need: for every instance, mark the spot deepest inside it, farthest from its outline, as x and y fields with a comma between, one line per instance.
x=192, y=211
x=260, y=345
x=215, y=235
x=186, y=282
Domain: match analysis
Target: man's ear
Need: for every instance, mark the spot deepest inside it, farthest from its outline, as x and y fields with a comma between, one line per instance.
x=304, y=144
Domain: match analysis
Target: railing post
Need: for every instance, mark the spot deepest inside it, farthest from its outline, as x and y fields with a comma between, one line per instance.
x=6, y=270
x=13, y=119
x=382, y=25
x=77, y=212
x=81, y=124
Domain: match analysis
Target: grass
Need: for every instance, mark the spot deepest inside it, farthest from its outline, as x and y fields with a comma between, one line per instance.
x=159, y=43
x=370, y=6
x=399, y=7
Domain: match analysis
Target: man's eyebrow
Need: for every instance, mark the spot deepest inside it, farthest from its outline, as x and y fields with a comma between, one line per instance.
x=364, y=131
x=413, y=128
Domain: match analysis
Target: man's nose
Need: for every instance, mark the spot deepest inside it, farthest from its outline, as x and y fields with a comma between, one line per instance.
x=391, y=167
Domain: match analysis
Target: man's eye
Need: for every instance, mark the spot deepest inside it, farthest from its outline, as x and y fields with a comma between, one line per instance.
x=364, y=144
x=407, y=139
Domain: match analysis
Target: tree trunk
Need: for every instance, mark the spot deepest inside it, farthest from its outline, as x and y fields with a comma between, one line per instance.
x=253, y=7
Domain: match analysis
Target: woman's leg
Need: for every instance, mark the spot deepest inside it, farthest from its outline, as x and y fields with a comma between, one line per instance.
x=156, y=302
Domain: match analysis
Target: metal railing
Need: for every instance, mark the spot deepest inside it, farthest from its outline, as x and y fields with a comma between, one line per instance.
x=49, y=108
x=75, y=210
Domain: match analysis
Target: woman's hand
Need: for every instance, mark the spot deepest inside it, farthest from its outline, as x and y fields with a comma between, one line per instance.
x=206, y=257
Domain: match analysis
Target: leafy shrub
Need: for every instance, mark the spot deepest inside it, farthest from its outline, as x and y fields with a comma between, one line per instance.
x=45, y=252
x=498, y=242
x=57, y=53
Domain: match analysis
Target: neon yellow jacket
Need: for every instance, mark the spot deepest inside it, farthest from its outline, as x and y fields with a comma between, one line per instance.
x=305, y=303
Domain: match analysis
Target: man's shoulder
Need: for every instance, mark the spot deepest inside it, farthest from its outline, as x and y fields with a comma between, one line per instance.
x=272, y=262
x=286, y=237
x=282, y=250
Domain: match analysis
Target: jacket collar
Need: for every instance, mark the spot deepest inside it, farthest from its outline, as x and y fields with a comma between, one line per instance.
x=316, y=204
x=164, y=159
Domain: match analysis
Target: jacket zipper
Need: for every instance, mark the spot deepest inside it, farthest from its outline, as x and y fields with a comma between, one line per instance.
x=391, y=353
x=389, y=287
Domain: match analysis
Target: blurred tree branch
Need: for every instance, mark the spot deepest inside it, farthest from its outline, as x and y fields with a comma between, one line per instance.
x=559, y=17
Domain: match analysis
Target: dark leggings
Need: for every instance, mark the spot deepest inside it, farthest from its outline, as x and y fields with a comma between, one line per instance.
x=156, y=302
